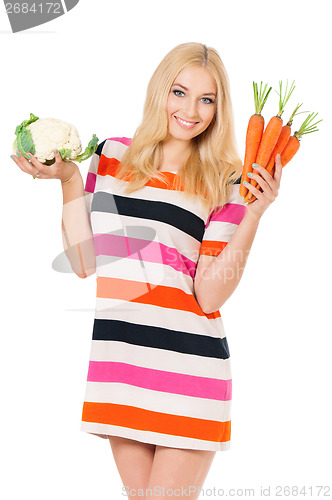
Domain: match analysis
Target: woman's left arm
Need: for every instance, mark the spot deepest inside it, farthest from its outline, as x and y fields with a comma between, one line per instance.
x=217, y=277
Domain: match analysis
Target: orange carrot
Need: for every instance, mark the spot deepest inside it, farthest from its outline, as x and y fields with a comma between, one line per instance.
x=292, y=147
x=271, y=135
x=283, y=139
x=254, y=134
x=293, y=143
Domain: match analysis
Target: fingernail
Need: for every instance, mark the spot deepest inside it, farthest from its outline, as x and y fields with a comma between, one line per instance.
x=245, y=183
x=18, y=154
x=249, y=174
x=56, y=151
x=279, y=156
x=255, y=165
x=12, y=157
x=29, y=156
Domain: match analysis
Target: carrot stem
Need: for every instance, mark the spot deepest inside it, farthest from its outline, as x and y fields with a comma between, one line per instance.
x=260, y=98
x=284, y=99
x=307, y=127
x=295, y=112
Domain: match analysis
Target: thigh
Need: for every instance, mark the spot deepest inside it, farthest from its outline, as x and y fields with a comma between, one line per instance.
x=133, y=460
x=180, y=469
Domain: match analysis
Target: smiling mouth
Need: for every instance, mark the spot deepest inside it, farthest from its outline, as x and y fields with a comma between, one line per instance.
x=184, y=123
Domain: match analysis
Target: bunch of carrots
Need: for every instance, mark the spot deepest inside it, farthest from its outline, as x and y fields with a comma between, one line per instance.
x=262, y=146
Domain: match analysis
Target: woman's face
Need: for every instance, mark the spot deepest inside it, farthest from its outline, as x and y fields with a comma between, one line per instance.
x=191, y=103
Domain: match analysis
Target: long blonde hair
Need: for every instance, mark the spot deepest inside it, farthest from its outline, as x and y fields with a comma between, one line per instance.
x=213, y=163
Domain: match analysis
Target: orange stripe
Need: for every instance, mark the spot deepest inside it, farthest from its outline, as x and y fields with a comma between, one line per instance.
x=210, y=247
x=146, y=420
x=111, y=166
x=158, y=295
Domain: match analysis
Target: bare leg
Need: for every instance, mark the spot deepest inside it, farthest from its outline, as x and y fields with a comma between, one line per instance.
x=183, y=471
x=134, y=462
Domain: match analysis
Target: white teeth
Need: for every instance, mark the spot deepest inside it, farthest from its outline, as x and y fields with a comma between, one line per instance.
x=187, y=124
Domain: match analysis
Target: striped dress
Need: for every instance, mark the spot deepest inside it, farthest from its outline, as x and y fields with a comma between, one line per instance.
x=159, y=369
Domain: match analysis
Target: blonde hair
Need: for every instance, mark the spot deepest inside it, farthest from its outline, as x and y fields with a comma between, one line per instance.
x=213, y=163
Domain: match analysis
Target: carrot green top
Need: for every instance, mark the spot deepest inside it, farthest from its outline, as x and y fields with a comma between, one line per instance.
x=284, y=99
x=260, y=97
x=307, y=126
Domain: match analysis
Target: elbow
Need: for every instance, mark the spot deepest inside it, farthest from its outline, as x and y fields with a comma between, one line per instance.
x=81, y=275
x=86, y=274
x=206, y=307
x=210, y=310
x=206, y=302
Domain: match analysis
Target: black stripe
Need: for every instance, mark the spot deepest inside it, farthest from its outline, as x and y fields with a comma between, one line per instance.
x=100, y=147
x=159, y=211
x=160, y=338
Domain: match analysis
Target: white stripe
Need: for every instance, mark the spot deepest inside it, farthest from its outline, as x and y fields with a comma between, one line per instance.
x=161, y=359
x=149, y=314
x=219, y=231
x=132, y=269
x=162, y=402
x=153, y=437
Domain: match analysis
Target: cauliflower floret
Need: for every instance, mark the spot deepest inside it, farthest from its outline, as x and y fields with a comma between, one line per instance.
x=43, y=136
x=49, y=134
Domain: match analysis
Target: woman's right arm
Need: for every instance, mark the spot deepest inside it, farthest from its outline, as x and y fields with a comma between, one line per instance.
x=77, y=236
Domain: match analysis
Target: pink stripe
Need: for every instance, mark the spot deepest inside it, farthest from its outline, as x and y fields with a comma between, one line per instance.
x=125, y=140
x=232, y=212
x=148, y=251
x=90, y=182
x=158, y=380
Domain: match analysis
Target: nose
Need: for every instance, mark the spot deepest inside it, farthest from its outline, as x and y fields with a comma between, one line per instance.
x=190, y=109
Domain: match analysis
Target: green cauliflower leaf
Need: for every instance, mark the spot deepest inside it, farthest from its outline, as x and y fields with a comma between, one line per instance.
x=89, y=150
x=65, y=153
x=24, y=142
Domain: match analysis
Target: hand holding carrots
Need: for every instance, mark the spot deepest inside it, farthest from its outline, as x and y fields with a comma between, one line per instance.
x=264, y=146
x=269, y=185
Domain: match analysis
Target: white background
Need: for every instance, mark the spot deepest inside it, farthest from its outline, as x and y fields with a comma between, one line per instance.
x=91, y=68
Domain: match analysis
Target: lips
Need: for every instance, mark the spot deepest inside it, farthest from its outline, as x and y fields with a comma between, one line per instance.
x=185, y=123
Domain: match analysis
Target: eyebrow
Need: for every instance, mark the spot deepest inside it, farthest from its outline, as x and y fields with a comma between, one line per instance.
x=185, y=88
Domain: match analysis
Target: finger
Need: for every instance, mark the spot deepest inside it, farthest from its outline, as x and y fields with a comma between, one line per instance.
x=267, y=192
x=23, y=163
x=253, y=190
x=57, y=156
x=260, y=181
x=37, y=165
x=278, y=169
x=31, y=165
x=264, y=173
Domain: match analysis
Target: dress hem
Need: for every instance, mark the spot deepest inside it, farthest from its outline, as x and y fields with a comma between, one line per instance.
x=152, y=438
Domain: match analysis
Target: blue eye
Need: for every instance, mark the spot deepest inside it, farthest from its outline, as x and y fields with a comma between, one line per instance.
x=207, y=100
x=176, y=92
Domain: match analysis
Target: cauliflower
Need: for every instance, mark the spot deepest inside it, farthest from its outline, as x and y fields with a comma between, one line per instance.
x=41, y=136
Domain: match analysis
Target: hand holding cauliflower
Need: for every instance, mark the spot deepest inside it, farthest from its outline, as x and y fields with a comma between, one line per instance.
x=42, y=136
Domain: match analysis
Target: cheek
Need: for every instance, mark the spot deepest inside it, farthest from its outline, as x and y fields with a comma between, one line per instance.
x=208, y=114
x=170, y=106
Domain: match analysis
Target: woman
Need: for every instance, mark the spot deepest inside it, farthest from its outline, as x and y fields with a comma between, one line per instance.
x=162, y=224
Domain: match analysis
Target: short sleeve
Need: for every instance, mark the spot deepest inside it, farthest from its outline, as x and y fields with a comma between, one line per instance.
x=91, y=177
x=221, y=226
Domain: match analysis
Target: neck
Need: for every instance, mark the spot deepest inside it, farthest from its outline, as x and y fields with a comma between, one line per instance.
x=174, y=153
